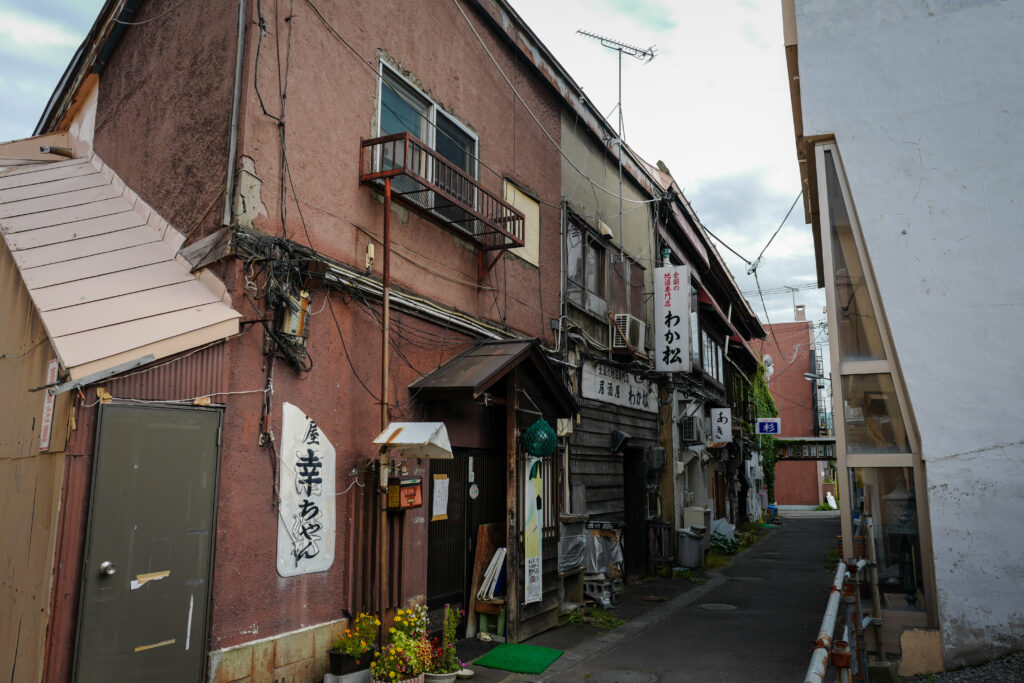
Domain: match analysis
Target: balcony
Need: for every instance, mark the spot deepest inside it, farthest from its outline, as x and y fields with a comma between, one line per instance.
x=427, y=183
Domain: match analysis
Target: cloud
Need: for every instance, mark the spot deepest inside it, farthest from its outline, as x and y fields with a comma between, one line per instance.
x=651, y=15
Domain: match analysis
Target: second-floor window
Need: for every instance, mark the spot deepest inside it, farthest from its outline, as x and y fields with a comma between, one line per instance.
x=711, y=356
x=403, y=108
x=586, y=270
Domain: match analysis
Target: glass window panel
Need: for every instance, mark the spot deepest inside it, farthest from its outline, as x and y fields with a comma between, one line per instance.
x=636, y=291
x=859, y=338
x=871, y=415
x=455, y=145
x=617, y=283
x=401, y=110
x=595, y=268
x=694, y=339
x=575, y=248
x=887, y=495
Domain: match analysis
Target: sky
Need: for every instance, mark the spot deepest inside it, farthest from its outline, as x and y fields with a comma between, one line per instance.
x=713, y=105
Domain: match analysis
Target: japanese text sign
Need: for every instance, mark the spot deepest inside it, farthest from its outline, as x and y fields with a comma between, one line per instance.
x=305, y=524
x=769, y=425
x=672, y=319
x=610, y=384
x=721, y=425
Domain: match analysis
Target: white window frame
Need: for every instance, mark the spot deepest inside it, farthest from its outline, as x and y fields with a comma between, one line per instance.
x=433, y=111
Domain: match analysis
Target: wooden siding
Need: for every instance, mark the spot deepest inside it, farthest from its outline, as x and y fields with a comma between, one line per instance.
x=592, y=463
x=30, y=480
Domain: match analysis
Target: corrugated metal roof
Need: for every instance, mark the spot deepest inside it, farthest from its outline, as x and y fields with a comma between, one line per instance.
x=102, y=268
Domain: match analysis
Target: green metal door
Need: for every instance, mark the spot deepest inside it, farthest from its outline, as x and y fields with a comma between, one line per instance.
x=146, y=578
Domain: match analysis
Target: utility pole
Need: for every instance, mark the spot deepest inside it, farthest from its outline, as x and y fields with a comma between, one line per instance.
x=644, y=55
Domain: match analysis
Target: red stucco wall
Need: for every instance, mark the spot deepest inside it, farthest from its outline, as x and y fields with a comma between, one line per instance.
x=790, y=359
x=796, y=483
x=164, y=110
x=330, y=105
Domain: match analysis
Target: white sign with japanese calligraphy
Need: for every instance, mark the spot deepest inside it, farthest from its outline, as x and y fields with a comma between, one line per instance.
x=672, y=319
x=305, y=523
x=721, y=425
x=610, y=384
x=47, y=422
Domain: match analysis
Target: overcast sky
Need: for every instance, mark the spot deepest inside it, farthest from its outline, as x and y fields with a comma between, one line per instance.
x=713, y=105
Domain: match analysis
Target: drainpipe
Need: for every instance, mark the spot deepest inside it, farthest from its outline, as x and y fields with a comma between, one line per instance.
x=236, y=99
x=382, y=524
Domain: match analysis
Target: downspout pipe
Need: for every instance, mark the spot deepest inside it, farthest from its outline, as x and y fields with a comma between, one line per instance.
x=236, y=101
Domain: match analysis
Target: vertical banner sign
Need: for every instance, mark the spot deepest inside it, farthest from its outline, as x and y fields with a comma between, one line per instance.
x=721, y=425
x=46, y=424
x=531, y=534
x=672, y=319
x=305, y=524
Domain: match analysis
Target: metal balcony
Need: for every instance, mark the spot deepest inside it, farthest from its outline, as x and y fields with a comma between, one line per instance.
x=427, y=183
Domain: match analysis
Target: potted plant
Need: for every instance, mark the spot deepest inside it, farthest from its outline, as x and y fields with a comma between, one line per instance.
x=352, y=649
x=444, y=662
x=407, y=652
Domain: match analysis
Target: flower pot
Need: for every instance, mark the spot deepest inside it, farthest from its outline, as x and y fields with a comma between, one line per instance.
x=415, y=679
x=440, y=678
x=342, y=663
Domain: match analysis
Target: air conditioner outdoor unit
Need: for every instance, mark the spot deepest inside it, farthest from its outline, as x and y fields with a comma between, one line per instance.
x=689, y=429
x=634, y=329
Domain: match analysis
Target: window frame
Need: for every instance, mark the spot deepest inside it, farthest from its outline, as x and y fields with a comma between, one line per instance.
x=386, y=74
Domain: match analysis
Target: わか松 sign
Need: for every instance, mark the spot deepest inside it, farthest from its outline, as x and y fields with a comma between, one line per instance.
x=672, y=319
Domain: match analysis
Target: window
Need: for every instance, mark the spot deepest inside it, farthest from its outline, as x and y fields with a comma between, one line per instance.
x=586, y=269
x=404, y=109
x=711, y=356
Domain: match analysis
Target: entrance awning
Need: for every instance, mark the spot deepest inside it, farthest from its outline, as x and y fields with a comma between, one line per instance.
x=417, y=439
x=471, y=373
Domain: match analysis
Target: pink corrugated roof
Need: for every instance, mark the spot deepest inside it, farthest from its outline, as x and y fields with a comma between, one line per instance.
x=102, y=268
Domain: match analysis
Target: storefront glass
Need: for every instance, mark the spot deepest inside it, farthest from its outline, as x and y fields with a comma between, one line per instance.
x=887, y=496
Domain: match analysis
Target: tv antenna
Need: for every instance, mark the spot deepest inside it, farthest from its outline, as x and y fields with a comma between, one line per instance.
x=645, y=56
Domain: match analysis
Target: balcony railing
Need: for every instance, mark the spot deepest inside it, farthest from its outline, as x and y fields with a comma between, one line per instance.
x=427, y=183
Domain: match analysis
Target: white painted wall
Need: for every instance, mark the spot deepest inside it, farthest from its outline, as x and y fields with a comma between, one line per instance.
x=926, y=102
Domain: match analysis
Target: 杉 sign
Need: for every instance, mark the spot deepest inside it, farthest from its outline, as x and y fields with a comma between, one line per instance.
x=769, y=425
x=672, y=319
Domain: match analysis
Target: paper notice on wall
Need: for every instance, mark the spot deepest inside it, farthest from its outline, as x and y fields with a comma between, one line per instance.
x=531, y=533
x=439, y=509
x=46, y=424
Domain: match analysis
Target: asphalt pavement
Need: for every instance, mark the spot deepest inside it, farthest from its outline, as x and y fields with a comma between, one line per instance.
x=755, y=620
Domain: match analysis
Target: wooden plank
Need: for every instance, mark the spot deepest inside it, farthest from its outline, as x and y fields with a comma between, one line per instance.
x=40, y=237
x=42, y=173
x=59, y=201
x=69, y=214
x=110, y=285
x=489, y=538
x=52, y=187
x=86, y=247
x=92, y=266
x=211, y=248
x=135, y=306
x=512, y=508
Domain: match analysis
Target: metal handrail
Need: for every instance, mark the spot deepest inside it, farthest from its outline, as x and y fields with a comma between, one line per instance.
x=440, y=191
x=848, y=655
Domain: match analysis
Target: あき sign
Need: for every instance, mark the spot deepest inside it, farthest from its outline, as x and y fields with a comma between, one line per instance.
x=672, y=319
x=721, y=425
x=305, y=523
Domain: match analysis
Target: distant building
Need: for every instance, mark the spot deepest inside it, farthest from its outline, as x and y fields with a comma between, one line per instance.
x=803, y=473
x=908, y=120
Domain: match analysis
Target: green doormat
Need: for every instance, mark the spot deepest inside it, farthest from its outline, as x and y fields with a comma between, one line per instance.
x=520, y=658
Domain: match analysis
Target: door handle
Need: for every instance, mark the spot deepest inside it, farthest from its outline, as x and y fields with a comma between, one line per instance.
x=107, y=568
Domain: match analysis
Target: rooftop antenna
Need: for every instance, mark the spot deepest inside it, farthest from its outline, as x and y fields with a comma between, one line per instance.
x=645, y=56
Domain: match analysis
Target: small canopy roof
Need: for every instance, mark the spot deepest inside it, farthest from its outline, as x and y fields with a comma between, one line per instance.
x=417, y=439
x=473, y=372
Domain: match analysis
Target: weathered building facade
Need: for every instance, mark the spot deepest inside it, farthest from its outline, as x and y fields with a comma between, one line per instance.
x=268, y=233
x=908, y=138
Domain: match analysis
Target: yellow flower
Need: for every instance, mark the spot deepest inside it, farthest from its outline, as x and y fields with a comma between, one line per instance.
x=392, y=674
x=391, y=630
